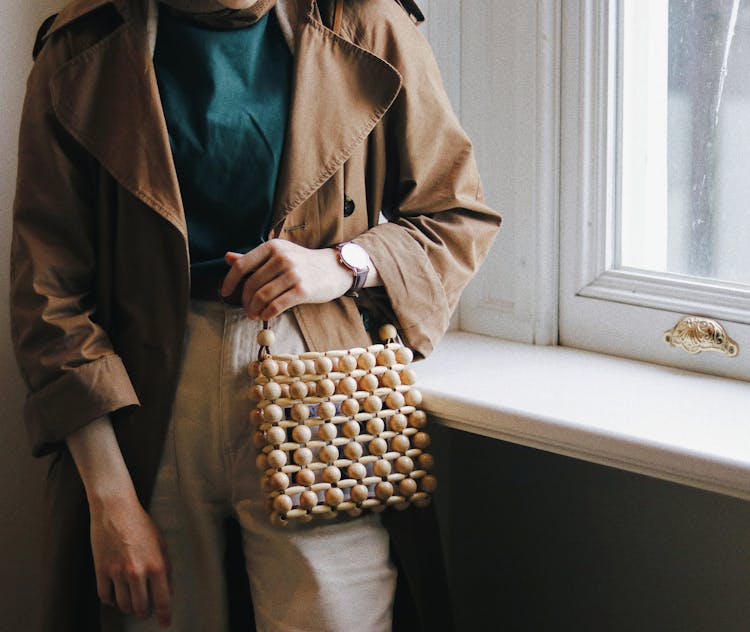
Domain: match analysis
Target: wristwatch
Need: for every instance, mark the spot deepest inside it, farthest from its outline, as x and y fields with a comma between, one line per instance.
x=357, y=260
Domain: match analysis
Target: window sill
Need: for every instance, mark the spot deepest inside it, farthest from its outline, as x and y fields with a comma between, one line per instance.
x=675, y=425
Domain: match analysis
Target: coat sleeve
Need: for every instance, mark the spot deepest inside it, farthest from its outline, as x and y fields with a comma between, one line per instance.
x=70, y=368
x=439, y=229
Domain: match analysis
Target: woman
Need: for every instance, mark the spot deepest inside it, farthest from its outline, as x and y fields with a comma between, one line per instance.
x=136, y=179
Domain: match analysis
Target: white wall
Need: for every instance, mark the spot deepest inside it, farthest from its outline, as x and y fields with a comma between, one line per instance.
x=20, y=475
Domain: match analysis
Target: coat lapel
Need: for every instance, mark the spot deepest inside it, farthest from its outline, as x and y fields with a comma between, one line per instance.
x=107, y=98
x=340, y=92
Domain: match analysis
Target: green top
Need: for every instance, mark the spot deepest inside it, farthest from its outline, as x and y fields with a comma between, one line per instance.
x=225, y=95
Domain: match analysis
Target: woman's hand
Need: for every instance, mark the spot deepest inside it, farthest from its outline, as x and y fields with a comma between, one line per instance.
x=132, y=568
x=279, y=274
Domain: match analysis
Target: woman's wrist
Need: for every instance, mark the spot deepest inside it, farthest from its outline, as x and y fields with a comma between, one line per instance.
x=99, y=460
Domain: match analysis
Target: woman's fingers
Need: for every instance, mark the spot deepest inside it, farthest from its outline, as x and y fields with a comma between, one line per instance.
x=104, y=589
x=280, y=304
x=161, y=593
x=268, y=272
x=122, y=595
x=265, y=302
x=139, y=595
x=242, y=265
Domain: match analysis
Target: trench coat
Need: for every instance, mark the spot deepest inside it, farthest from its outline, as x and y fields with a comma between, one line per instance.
x=100, y=271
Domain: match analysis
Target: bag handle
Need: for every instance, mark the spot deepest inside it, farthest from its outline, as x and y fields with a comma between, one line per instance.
x=337, y=13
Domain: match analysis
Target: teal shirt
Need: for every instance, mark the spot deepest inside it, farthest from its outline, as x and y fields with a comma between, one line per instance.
x=225, y=96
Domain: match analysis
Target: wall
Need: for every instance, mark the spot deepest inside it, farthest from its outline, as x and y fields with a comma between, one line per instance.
x=21, y=489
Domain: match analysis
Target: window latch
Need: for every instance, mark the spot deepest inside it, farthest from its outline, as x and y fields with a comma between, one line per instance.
x=696, y=334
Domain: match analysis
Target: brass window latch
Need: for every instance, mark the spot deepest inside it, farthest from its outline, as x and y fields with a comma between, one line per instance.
x=696, y=334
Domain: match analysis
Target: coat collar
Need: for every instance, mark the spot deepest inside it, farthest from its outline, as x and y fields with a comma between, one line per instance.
x=107, y=98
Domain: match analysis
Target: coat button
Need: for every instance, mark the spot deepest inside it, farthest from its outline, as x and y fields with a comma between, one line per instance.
x=348, y=206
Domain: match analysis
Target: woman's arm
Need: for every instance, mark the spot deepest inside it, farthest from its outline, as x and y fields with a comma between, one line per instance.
x=132, y=568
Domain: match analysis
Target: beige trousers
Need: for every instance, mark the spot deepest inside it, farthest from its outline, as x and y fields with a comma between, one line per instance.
x=330, y=576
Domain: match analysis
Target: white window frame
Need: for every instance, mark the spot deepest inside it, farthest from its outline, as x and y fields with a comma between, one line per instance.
x=622, y=312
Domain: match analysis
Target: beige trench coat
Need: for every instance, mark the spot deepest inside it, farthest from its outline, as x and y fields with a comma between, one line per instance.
x=100, y=277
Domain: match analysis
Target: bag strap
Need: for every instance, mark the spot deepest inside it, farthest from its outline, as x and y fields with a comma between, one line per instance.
x=337, y=13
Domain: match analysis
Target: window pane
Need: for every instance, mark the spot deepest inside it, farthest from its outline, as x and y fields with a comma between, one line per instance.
x=685, y=138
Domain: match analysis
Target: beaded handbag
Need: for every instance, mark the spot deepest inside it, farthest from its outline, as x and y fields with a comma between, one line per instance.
x=339, y=431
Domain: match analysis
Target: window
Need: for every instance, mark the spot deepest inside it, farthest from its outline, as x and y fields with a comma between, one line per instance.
x=613, y=136
x=652, y=210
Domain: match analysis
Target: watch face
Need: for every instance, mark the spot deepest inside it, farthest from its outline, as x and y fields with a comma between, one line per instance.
x=355, y=256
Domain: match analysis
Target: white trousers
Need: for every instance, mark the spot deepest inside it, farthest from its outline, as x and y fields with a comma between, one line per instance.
x=327, y=576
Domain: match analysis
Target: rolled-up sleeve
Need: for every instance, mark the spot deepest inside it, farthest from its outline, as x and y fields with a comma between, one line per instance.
x=439, y=229
x=66, y=358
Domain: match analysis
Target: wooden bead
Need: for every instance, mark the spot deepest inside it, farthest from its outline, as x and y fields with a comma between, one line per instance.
x=381, y=468
x=407, y=487
x=285, y=391
x=273, y=413
x=375, y=426
x=326, y=410
x=312, y=389
x=308, y=500
x=283, y=368
x=301, y=434
x=253, y=369
x=279, y=481
x=394, y=400
x=390, y=379
x=359, y=493
x=387, y=332
x=327, y=432
x=383, y=490
x=259, y=439
x=368, y=382
x=300, y=412
x=404, y=465
x=298, y=390
x=413, y=397
x=272, y=390
x=334, y=496
x=323, y=365
x=347, y=363
x=305, y=477
x=331, y=475
x=373, y=404
x=426, y=461
x=255, y=393
x=303, y=456
x=347, y=385
x=266, y=338
x=377, y=447
x=349, y=407
x=408, y=376
x=334, y=363
x=400, y=443
x=277, y=458
x=397, y=422
x=428, y=483
x=404, y=355
x=282, y=503
x=269, y=367
x=328, y=454
x=366, y=361
x=276, y=435
x=353, y=450
x=297, y=368
x=325, y=388
x=418, y=419
x=350, y=429
x=386, y=357
x=357, y=471
x=309, y=366
x=261, y=461
x=421, y=440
